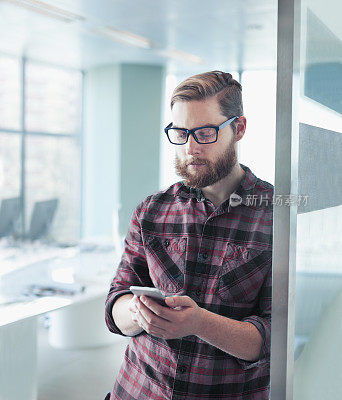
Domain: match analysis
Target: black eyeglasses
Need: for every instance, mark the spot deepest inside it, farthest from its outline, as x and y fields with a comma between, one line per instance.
x=202, y=135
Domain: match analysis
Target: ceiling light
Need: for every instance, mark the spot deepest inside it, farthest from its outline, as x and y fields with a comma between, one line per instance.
x=45, y=9
x=181, y=55
x=125, y=37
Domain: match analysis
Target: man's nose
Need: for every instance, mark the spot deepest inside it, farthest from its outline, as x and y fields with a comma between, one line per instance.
x=192, y=147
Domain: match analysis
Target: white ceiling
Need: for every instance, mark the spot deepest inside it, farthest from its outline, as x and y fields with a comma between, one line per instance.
x=226, y=34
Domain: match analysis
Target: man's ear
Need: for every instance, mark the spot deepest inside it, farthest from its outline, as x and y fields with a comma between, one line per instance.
x=240, y=126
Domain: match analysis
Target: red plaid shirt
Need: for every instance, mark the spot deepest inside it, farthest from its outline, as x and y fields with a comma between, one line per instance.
x=221, y=257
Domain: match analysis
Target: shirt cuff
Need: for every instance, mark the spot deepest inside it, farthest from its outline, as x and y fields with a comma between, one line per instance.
x=265, y=332
x=109, y=308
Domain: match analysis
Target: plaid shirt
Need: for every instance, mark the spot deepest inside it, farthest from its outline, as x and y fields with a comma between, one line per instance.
x=221, y=257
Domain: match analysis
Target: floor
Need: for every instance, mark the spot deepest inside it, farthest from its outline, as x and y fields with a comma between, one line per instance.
x=76, y=374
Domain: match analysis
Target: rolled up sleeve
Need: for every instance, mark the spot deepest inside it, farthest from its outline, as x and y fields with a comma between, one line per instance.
x=132, y=270
x=262, y=321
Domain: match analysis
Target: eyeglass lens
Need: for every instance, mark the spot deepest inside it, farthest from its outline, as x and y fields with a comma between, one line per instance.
x=203, y=135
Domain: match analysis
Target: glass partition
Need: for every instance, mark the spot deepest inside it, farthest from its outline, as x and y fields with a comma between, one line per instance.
x=318, y=288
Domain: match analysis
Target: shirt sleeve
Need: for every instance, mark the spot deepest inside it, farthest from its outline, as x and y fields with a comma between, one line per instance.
x=262, y=321
x=132, y=270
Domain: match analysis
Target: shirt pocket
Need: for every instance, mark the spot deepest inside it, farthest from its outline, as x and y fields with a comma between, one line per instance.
x=242, y=274
x=166, y=258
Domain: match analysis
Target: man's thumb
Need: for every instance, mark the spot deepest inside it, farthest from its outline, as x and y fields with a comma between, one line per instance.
x=171, y=301
x=174, y=301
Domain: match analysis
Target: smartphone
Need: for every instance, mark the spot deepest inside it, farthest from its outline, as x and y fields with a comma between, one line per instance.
x=154, y=293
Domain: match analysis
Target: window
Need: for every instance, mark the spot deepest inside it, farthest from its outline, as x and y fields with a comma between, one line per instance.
x=257, y=147
x=52, y=171
x=53, y=101
x=10, y=96
x=10, y=168
x=50, y=154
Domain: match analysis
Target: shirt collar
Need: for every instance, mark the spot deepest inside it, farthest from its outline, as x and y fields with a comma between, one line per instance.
x=246, y=185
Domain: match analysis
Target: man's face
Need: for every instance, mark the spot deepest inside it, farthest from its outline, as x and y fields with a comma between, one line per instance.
x=203, y=165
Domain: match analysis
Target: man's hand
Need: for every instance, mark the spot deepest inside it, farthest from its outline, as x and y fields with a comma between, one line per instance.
x=120, y=312
x=240, y=339
x=183, y=319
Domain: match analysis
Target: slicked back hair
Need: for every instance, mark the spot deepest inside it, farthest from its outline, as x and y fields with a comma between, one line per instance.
x=217, y=84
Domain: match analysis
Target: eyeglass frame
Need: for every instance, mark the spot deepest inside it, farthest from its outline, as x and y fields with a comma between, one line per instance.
x=192, y=131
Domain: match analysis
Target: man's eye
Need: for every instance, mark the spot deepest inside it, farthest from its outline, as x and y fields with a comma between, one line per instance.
x=206, y=132
x=181, y=134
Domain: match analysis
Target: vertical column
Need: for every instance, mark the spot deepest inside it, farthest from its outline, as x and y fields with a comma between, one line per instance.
x=141, y=104
x=285, y=218
x=121, y=144
x=101, y=149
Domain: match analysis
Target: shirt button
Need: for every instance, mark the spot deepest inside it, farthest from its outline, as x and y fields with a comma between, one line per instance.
x=182, y=369
x=205, y=256
x=198, y=292
x=167, y=242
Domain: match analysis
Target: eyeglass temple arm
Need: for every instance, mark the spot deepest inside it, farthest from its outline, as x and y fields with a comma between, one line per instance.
x=227, y=122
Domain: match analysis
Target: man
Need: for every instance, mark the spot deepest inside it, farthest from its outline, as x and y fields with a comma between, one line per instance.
x=206, y=243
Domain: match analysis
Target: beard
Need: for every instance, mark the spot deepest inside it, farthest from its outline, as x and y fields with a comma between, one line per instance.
x=211, y=172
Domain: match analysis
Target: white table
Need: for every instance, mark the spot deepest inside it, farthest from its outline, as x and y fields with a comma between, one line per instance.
x=76, y=321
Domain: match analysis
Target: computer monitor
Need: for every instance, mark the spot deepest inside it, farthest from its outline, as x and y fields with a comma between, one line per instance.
x=42, y=217
x=9, y=215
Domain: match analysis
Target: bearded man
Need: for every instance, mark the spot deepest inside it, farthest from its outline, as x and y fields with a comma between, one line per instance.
x=206, y=243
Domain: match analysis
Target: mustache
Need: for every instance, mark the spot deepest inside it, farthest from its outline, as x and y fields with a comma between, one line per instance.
x=197, y=161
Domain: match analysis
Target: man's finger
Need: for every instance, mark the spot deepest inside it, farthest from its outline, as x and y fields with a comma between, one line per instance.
x=166, y=313
x=155, y=307
x=148, y=327
x=150, y=316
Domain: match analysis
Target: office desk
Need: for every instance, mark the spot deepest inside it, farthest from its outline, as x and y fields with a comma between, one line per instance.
x=18, y=321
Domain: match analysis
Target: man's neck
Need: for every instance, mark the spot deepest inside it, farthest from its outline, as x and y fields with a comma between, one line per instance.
x=221, y=190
